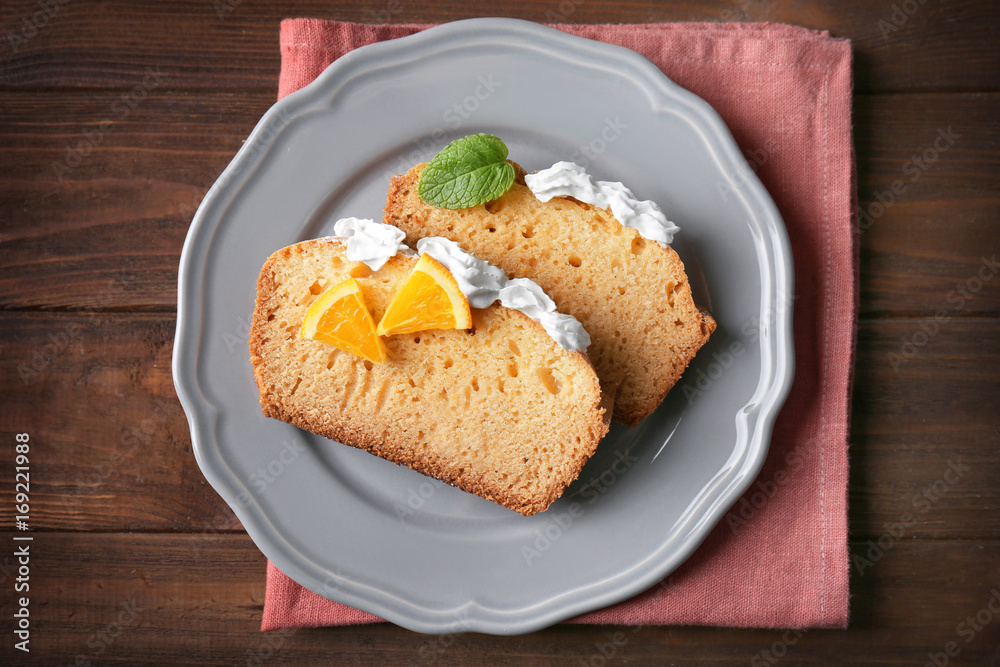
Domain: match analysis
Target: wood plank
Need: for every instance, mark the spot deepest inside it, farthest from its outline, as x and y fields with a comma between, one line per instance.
x=108, y=235
x=925, y=432
x=96, y=202
x=152, y=599
x=110, y=448
x=929, y=209
x=116, y=453
x=233, y=44
x=135, y=558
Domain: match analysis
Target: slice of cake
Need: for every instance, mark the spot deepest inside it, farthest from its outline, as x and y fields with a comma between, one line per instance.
x=500, y=410
x=630, y=292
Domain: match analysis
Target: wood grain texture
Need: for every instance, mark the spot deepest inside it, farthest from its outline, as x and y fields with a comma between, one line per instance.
x=232, y=44
x=116, y=117
x=152, y=599
x=111, y=448
x=116, y=455
x=929, y=203
x=920, y=413
x=107, y=232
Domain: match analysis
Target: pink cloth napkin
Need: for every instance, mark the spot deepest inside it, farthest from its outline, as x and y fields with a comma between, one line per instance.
x=779, y=558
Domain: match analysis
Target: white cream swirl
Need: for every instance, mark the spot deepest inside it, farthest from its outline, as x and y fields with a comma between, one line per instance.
x=526, y=295
x=373, y=243
x=479, y=281
x=568, y=179
x=482, y=284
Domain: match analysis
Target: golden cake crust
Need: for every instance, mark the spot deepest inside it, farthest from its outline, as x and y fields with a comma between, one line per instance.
x=632, y=295
x=502, y=411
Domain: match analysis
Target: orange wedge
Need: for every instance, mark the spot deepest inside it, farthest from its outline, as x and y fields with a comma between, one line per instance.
x=339, y=317
x=429, y=299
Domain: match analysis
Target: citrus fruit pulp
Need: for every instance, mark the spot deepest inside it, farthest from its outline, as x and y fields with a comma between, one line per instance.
x=429, y=299
x=339, y=317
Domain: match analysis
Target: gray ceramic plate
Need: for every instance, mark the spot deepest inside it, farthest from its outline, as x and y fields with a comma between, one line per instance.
x=383, y=538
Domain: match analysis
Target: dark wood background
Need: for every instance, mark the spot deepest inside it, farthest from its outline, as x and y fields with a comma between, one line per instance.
x=136, y=560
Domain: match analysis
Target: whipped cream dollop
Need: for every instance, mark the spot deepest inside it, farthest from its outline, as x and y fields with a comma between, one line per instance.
x=373, y=243
x=482, y=284
x=479, y=281
x=528, y=297
x=568, y=179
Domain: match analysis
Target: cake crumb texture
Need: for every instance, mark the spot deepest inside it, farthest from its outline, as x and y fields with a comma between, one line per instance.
x=631, y=294
x=500, y=410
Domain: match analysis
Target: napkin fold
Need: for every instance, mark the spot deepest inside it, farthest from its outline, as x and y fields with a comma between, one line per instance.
x=779, y=558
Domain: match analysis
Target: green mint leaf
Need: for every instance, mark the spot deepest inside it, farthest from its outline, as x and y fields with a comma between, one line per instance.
x=467, y=172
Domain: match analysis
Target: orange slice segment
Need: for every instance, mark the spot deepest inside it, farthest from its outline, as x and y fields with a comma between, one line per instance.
x=429, y=299
x=339, y=317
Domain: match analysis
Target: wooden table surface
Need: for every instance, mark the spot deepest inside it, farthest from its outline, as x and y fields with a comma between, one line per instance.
x=116, y=116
